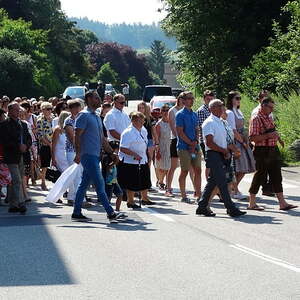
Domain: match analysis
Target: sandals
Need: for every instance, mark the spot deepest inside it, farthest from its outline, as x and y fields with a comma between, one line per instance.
x=256, y=207
x=288, y=207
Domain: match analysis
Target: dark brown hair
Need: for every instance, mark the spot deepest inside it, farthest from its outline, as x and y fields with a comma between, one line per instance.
x=230, y=97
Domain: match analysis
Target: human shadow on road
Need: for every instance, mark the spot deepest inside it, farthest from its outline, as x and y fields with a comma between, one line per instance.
x=30, y=254
x=253, y=219
x=163, y=210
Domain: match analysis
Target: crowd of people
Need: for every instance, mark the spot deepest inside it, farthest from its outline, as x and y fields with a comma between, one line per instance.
x=116, y=150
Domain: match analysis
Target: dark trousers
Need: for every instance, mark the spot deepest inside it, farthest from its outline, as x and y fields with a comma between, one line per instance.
x=268, y=162
x=217, y=177
x=202, y=146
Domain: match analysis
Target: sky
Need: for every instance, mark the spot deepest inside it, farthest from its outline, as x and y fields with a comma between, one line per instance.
x=114, y=11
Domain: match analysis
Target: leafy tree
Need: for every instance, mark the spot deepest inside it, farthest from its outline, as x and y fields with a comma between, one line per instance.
x=158, y=56
x=107, y=74
x=277, y=66
x=218, y=38
x=135, y=90
x=16, y=73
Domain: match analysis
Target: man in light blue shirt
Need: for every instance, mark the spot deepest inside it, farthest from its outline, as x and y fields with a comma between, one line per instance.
x=89, y=140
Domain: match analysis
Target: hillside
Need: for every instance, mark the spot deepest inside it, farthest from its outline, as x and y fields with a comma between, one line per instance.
x=138, y=36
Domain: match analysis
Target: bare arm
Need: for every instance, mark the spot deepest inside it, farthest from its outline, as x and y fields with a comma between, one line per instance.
x=182, y=136
x=213, y=146
x=130, y=153
x=70, y=134
x=54, y=143
x=115, y=134
x=172, y=123
x=78, y=133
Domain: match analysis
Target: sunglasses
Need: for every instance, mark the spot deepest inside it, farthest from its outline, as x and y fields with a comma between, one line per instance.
x=237, y=98
x=164, y=110
x=48, y=108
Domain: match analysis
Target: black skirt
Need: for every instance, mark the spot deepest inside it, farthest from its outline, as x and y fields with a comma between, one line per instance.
x=45, y=156
x=134, y=178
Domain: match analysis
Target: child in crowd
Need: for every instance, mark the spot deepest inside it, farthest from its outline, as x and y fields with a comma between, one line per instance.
x=109, y=172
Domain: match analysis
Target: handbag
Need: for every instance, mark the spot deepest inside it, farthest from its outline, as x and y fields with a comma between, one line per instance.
x=52, y=174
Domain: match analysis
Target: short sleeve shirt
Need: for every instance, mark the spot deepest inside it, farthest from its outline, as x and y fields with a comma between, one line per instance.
x=69, y=145
x=135, y=141
x=202, y=113
x=186, y=119
x=214, y=126
x=116, y=120
x=90, y=140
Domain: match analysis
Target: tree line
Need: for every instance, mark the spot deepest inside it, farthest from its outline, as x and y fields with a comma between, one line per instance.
x=246, y=44
x=137, y=36
x=42, y=52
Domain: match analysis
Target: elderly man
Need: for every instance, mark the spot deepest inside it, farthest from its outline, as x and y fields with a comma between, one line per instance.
x=215, y=133
x=16, y=140
x=116, y=121
x=263, y=134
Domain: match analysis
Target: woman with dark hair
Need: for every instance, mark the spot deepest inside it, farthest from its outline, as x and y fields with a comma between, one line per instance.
x=60, y=106
x=245, y=164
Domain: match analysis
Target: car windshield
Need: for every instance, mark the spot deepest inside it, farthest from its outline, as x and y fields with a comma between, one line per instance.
x=159, y=104
x=74, y=92
x=157, y=91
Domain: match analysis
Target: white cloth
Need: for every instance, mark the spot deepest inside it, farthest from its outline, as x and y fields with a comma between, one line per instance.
x=215, y=127
x=230, y=119
x=135, y=141
x=116, y=120
x=64, y=182
x=172, y=113
x=255, y=112
x=237, y=112
x=54, y=122
x=60, y=153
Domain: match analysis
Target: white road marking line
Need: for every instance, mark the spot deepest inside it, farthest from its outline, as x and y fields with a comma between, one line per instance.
x=158, y=215
x=268, y=258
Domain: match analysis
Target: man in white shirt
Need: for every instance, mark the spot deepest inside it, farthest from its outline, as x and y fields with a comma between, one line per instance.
x=214, y=133
x=116, y=121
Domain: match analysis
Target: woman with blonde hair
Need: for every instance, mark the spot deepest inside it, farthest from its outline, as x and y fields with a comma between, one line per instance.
x=59, y=159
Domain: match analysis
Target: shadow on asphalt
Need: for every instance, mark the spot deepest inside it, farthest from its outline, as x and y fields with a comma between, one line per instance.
x=29, y=255
x=253, y=219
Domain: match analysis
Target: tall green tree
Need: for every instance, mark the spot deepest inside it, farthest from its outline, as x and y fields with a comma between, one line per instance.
x=108, y=75
x=218, y=38
x=158, y=56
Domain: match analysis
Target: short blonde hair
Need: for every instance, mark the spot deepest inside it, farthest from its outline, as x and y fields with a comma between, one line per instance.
x=135, y=115
x=62, y=117
x=46, y=105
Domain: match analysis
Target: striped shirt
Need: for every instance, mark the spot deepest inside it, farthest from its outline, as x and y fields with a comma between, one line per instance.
x=203, y=113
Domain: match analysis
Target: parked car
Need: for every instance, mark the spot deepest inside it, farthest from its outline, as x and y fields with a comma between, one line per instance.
x=158, y=101
x=156, y=90
x=75, y=92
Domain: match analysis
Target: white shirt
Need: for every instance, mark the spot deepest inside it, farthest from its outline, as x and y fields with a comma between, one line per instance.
x=230, y=119
x=54, y=122
x=135, y=141
x=116, y=120
x=215, y=127
x=172, y=113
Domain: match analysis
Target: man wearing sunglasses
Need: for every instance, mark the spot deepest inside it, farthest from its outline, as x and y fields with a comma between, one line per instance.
x=116, y=121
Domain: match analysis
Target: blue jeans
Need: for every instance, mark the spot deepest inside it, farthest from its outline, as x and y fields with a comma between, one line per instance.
x=91, y=173
x=113, y=188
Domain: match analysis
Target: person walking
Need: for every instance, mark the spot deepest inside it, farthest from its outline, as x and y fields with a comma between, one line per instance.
x=187, y=145
x=263, y=134
x=245, y=164
x=44, y=133
x=216, y=147
x=89, y=140
x=134, y=171
x=162, y=157
x=16, y=140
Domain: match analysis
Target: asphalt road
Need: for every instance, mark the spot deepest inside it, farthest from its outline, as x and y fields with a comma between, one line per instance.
x=165, y=252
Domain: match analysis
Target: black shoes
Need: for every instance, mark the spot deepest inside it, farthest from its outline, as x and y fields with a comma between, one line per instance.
x=80, y=218
x=13, y=210
x=116, y=216
x=205, y=212
x=148, y=202
x=134, y=206
x=22, y=209
x=235, y=213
